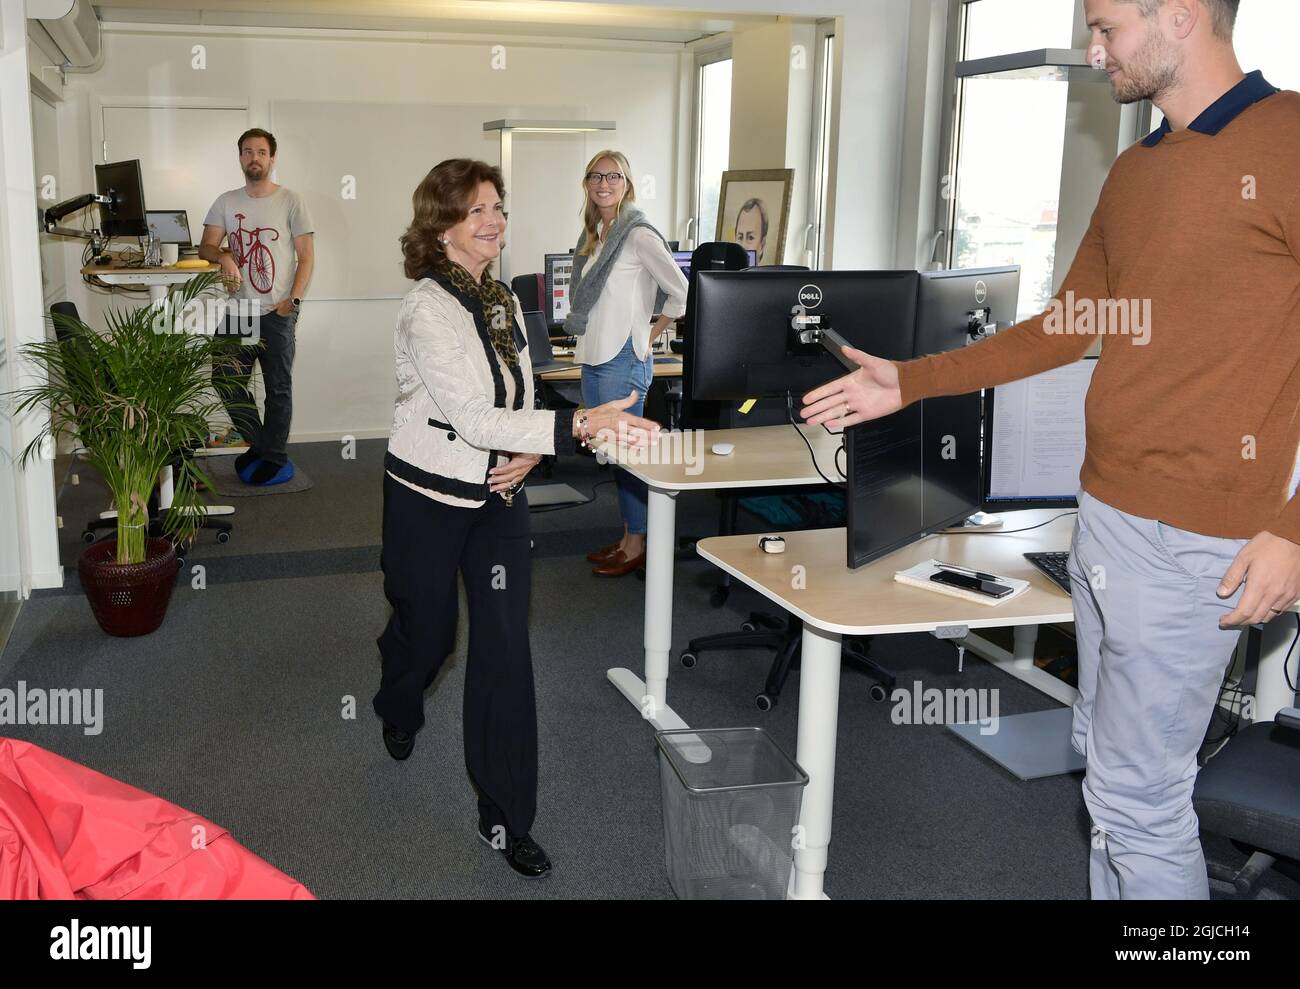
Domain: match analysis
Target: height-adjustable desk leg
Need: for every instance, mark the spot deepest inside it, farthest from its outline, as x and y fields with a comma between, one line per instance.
x=819, y=704
x=650, y=696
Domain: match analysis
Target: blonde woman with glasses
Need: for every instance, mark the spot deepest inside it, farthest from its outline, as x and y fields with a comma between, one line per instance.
x=622, y=268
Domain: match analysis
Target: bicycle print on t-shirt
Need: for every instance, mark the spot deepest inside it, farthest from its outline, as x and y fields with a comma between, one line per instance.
x=260, y=262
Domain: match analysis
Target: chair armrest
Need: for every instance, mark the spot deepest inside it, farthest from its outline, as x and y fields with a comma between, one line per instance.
x=1289, y=717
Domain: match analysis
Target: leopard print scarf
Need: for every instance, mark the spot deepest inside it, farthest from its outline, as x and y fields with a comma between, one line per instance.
x=498, y=307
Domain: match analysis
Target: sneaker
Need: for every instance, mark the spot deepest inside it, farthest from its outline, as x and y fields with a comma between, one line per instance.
x=525, y=856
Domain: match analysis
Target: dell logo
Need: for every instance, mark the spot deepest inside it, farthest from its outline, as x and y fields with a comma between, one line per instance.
x=981, y=292
x=810, y=297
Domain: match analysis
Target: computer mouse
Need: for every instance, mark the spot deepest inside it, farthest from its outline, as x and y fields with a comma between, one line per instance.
x=723, y=449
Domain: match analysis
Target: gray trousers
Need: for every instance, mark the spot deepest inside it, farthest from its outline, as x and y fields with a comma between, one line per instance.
x=1152, y=659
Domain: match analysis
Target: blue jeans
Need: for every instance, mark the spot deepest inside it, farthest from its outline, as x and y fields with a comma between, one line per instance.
x=267, y=437
x=612, y=380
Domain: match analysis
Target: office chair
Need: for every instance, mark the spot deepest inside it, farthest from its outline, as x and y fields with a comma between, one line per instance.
x=531, y=290
x=1247, y=793
x=67, y=336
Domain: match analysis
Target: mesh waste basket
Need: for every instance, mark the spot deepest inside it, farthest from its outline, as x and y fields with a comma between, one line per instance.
x=731, y=801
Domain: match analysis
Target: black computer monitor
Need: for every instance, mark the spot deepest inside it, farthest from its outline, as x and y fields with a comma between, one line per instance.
x=169, y=226
x=1034, y=439
x=556, y=272
x=920, y=469
x=124, y=217
x=745, y=342
x=956, y=309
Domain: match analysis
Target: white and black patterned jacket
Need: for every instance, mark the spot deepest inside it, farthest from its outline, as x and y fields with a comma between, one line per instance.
x=451, y=414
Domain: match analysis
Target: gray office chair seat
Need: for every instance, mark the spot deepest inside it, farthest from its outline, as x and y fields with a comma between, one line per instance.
x=1250, y=793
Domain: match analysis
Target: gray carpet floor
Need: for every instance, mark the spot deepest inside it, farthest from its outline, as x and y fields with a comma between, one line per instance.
x=237, y=708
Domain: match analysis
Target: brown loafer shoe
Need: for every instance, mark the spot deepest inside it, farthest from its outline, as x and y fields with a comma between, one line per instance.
x=603, y=555
x=619, y=565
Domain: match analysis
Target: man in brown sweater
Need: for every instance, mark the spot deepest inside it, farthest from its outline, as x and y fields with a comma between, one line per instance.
x=1188, y=528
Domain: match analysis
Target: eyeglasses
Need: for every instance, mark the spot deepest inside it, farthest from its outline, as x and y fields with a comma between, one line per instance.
x=613, y=178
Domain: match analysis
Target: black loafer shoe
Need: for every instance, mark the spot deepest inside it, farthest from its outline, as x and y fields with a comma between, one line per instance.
x=399, y=743
x=525, y=856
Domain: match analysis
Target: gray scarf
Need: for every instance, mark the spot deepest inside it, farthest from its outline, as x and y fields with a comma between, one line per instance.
x=585, y=286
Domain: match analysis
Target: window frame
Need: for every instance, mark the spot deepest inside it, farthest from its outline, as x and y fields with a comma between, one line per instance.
x=704, y=57
x=824, y=86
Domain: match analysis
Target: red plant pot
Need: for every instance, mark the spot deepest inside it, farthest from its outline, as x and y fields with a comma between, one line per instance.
x=128, y=598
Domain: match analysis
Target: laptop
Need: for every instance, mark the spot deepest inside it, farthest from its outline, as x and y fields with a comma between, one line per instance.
x=170, y=226
x=539, y=344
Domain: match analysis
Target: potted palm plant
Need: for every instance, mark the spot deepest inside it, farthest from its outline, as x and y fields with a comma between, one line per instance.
x=135, y=399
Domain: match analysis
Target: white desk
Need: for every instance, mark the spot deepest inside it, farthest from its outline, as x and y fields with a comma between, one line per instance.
x=158, y=279
x=765, y=456
x=837, y=601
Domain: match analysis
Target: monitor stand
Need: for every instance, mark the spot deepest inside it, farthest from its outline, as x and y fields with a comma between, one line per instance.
x=980, y=520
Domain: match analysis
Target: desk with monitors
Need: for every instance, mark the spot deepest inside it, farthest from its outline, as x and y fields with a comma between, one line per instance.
x=914, y=472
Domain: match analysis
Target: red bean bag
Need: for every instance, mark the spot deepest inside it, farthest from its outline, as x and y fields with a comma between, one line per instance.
x=68, y=832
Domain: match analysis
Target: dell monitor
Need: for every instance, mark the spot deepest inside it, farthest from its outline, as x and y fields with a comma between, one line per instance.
x=954, y=310
x=919, y=470
x=125, y=215
x=747, y=342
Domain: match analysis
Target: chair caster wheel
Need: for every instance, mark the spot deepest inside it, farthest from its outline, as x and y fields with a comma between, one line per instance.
x=88, y=536
x=748, y=627
x=719, y=596
x=223, y=537
x=180, y=563
x=764, y=702
x=878, y=692
x=688, y=659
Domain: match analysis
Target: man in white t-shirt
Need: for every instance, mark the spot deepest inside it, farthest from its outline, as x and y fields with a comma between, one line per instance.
x=267, y=264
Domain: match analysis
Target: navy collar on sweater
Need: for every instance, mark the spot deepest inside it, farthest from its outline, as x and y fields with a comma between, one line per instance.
x=1222, y=111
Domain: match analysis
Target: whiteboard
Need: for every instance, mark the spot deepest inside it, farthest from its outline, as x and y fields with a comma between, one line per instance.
x=357, y=164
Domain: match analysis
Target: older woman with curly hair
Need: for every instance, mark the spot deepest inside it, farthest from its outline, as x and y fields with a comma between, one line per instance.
x=464, y=437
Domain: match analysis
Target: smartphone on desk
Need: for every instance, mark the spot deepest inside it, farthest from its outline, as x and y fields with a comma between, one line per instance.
x=968, y=583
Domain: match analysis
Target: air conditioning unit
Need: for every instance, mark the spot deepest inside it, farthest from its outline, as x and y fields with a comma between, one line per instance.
x=72, y=25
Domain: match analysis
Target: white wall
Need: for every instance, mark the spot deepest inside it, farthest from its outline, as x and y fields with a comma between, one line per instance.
x=344, y=369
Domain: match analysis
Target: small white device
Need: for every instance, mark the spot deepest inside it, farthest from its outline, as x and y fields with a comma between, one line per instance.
x=723, y=449
x=772, y=544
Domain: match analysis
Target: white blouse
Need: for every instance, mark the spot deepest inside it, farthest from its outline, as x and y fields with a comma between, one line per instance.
x=627, y=301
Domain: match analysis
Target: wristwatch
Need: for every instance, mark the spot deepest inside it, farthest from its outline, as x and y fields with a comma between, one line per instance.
x=297, y=303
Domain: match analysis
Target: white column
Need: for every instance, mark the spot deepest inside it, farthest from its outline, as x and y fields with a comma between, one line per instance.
x=21, y=303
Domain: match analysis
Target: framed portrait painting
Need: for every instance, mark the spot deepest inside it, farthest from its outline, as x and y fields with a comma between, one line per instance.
x=754, y=211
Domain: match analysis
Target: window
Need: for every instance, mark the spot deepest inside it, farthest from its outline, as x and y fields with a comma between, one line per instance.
x=1265, y=40
x=712, y=140
x=1010, y=136
x=998, y=27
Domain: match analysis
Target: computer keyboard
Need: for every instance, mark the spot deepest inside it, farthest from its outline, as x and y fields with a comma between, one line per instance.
x=1054, y=565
